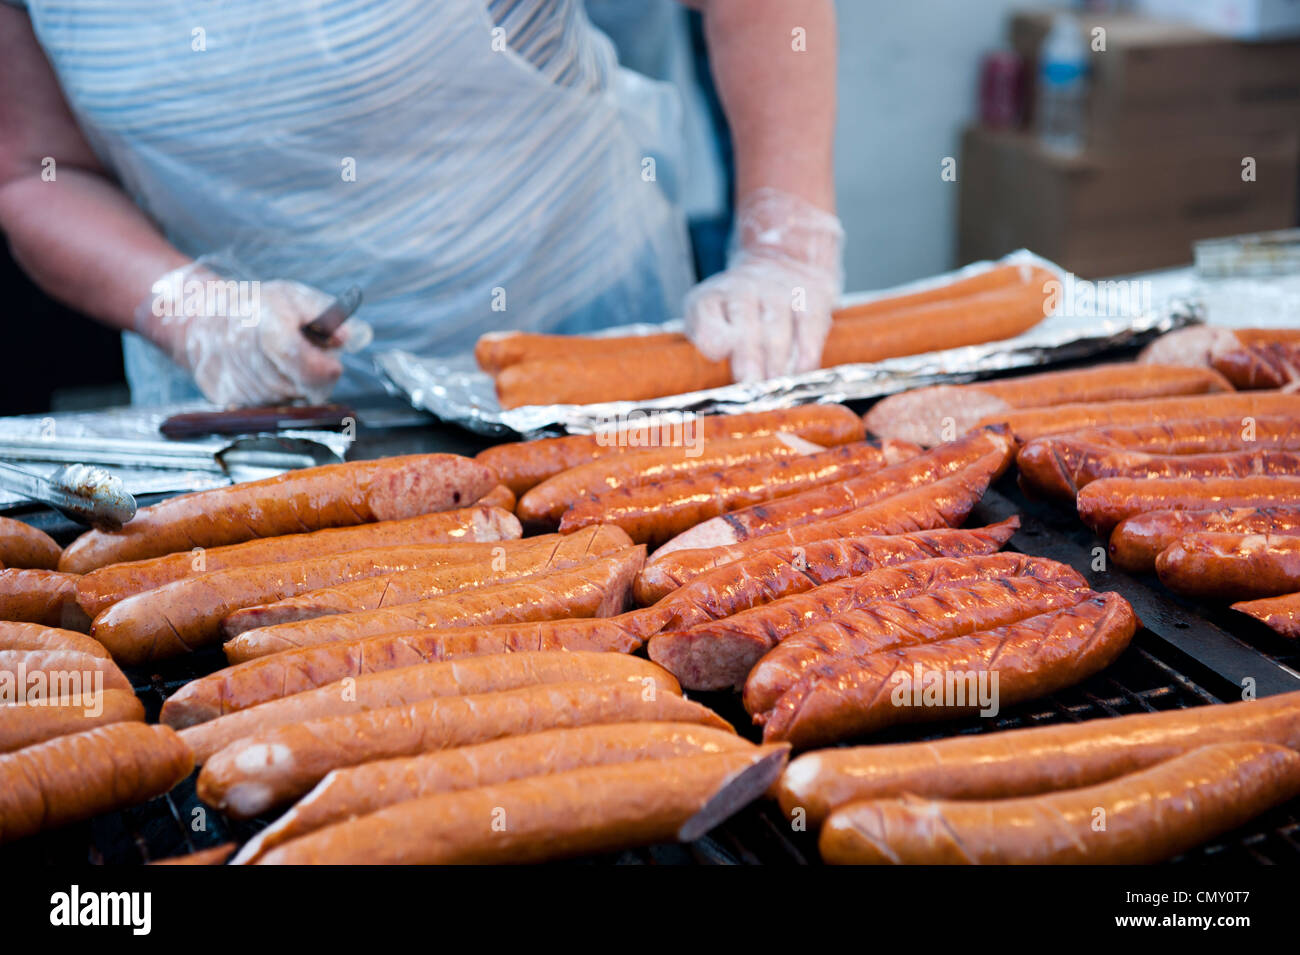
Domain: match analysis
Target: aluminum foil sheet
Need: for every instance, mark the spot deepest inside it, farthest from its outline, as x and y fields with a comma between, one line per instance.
x=127, y=442
x=454, y=389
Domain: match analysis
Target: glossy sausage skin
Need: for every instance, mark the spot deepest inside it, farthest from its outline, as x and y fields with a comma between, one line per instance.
x=26, y=725
x=41, y=596
x=1103, y=504
x=601, y=587
x=985, y=453
x=501, y=564
x=45, y=674
x=295, y=671
x=1198, y=435
x=580, y=812
x=1271, y=364
x=187, y=614
x=547, y=502
x=1151, y=815
x=497, y=350
x=1033, y=423
x=1025, y=762
x=721, y=653
x=22, y=545
x=376, y=691
x=334, y=495
x=70, y=778
x=926, y=618
x=524, y=464
x=985, y=316
x=360, y=790
x=15, y=635
x=985, y=280
x=1059, y=467
x=272, y=767
x=780, y=572
x=100, y=589
x=1231, y=566
x=1282, y=614
x=674, y=368
x=654, y=513
x=1040, y=655
x=926, y=415
x=945, y=503
x=1137, y=541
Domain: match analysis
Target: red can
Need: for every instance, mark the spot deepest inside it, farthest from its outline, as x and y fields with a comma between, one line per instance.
x=1002, y=90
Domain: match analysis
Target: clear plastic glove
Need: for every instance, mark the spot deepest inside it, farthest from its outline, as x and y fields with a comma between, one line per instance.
x=770, y=310
x=241, y=340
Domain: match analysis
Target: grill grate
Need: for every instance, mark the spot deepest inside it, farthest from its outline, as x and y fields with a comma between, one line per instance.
x=1189, y=655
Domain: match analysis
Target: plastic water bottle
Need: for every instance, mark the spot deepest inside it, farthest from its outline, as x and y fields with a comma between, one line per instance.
x=1062, y=86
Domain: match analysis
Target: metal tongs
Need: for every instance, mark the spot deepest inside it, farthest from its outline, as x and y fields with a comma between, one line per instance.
x=81, y=492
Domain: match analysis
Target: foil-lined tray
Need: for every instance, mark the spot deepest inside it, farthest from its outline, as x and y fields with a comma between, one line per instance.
x=127, y=442
x=454, y=389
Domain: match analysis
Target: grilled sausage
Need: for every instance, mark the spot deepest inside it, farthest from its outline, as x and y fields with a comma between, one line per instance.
x=524, y=464
x=1150, y=816
x=583, y=811
x=373, y=592
x=1136, y=541
x=1033, y=423
x=1282, y=614
x=22, y=545
x=654, y=513
x=497, y=350
x=1231, y=566
x=547, y=502
x=187, y=614
x=500, y=496
x=719, y=654
x=294, y=671
x=1025, y=762
x=929, y=416
x=1058, y=467
x=34, y=636
x=1040, y=655
x=601, y=587
x=945, y=503
x=272, y=767
x=41, y=596
x=334, y=495
x=926, y=618
x=375, y=691
x=1263, y=358
x=985, y=453
x=100, y=589
x=74, y=777
x=360, y=790
x=25, y=724
x=1198, y=435
x=782, y=571
x=43, y=674
x=1103, y=504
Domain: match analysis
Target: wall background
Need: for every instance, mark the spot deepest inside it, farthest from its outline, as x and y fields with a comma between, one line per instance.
x=908, y=77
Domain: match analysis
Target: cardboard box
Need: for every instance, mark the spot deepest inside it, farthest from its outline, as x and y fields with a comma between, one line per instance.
x=1106, y=214
x=1157, y=81
x=1242, y=19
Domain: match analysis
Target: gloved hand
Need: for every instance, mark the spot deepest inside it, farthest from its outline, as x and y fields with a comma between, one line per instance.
x=770, y=310
x=246, y=348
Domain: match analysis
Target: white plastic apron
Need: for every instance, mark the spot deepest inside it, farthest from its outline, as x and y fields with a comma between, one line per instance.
x=236, y=126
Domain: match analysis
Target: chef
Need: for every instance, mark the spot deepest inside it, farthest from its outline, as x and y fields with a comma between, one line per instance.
x=205, y=177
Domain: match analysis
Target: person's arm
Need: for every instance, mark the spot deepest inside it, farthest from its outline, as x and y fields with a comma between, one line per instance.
x=84, y=242
x=79, y=237
x=779, y=101
x=774, y=65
